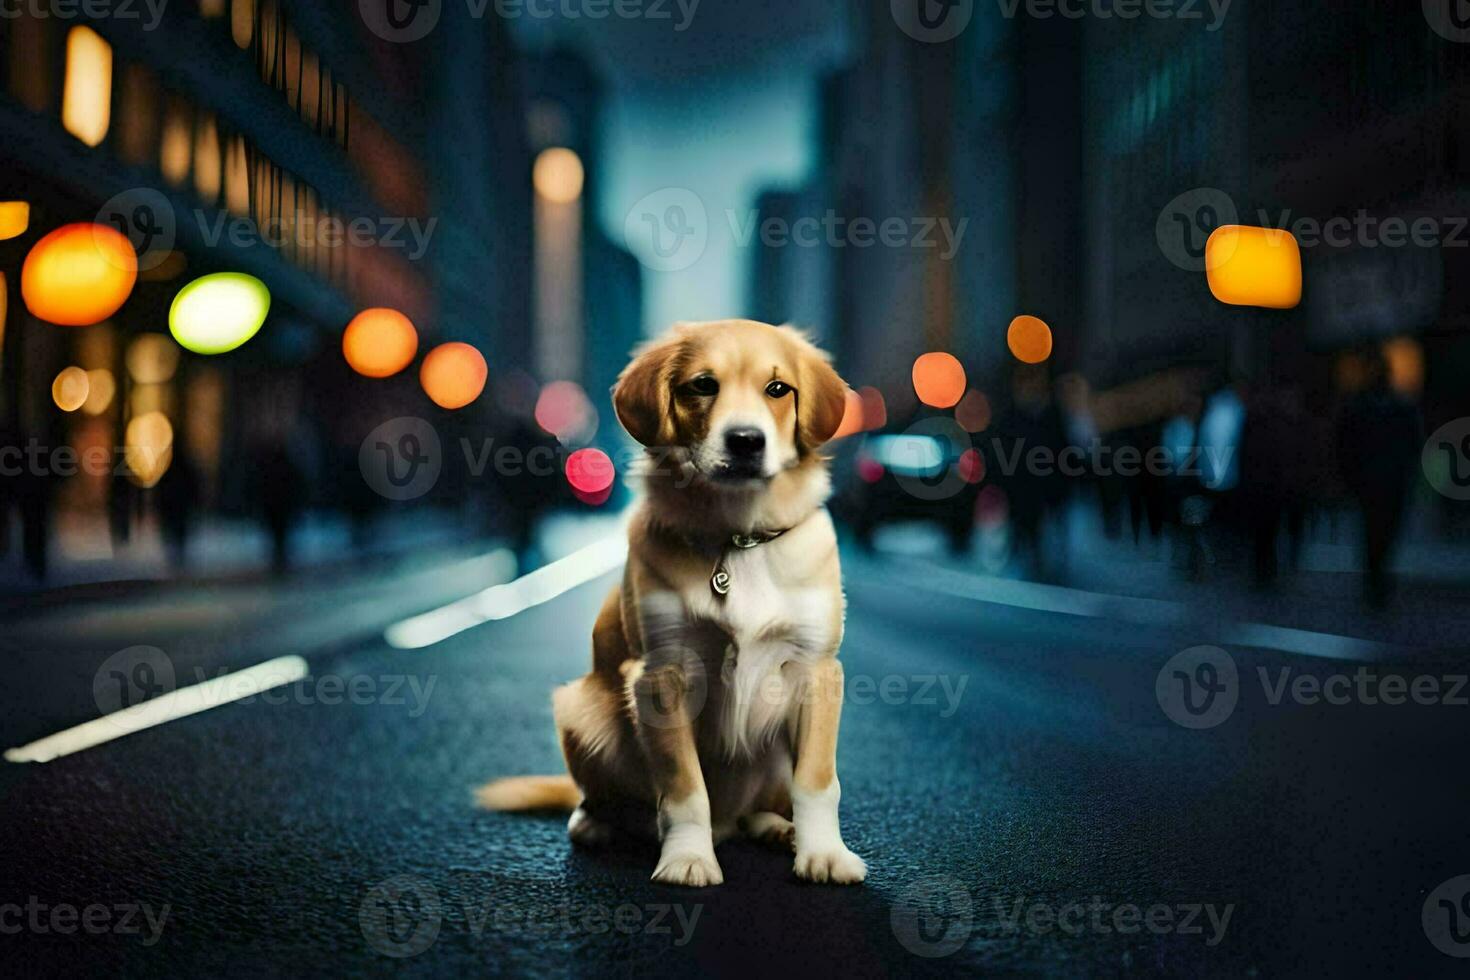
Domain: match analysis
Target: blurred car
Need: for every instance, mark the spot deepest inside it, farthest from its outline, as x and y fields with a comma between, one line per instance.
x=892, y=477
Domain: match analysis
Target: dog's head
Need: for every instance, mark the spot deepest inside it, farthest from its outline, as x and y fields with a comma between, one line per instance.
x=740, y=401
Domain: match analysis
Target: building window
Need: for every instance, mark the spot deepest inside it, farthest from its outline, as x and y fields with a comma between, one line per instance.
x=86, y=100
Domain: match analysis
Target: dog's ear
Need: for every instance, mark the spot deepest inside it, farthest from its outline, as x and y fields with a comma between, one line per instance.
x=821, y=395
x=644, y=390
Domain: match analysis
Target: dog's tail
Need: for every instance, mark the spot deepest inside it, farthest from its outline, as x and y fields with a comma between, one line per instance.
x=530, y=793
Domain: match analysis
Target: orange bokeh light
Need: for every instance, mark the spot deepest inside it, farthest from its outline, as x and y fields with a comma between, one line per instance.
x=852, y=417
x=939, y=379
x=379, y=343
x=875, y=409
x=1029, y=339
x=453, y=375
x=1248, y=266
x=79, y=275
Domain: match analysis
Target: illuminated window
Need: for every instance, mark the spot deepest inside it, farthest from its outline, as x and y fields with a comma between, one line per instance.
x=175, y=147
x=207, y=160
x=137, y=122
x=242, y=22
x=237, y=177
x=86, y=100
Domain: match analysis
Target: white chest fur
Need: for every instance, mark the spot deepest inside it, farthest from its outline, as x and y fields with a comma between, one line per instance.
x=775, y=626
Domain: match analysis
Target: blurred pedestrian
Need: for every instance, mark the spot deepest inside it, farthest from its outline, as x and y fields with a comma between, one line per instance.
x=1273, y=484
x=280, y=487
x=1379, y=439
x=1036, y=495
x=177, y=494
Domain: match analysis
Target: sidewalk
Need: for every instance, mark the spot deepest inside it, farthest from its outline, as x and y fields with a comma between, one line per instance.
x=1429, y=613
x=82, y=552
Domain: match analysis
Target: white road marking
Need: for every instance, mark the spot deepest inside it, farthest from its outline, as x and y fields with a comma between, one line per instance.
x=1130, y=609
x=167, y=707
x=504, y=601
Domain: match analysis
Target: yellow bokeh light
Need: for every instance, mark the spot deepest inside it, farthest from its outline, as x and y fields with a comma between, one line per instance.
x=1249, y=266
x=152, y=359
x=69, y=390
x=15, y=218
x=1029, y=339
x=1405, y=359
x=175, y=150
x=86, y=99
x=100, y=391
x=558, y=175
x=207, y=165
x=148, y=448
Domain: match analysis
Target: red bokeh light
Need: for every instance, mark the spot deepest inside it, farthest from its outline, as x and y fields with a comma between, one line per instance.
x=972, y=466
x=591, y=474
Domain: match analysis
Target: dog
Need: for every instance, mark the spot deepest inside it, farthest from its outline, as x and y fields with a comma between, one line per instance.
x=713, y=703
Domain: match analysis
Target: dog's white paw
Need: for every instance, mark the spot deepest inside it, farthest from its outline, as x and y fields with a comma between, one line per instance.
x=690, y=869
x=837, y=866
x=586, y=830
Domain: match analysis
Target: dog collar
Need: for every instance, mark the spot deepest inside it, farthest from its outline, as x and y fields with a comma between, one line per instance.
x=719, y=580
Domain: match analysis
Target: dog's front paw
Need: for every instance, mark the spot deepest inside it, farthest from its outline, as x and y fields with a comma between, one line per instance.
x=837, y=866
x=690, y=869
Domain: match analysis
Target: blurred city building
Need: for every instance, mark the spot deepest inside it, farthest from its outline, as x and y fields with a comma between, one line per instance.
x=237, y=132
x=588, y=288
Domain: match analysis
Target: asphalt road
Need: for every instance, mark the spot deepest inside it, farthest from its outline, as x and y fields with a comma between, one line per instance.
x=1024, y=801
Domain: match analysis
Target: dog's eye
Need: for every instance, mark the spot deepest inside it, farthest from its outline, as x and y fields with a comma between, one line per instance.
x=704, y=386
x=778, y=389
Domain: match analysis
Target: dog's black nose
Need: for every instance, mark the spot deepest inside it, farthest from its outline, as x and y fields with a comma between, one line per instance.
x=745, y=442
